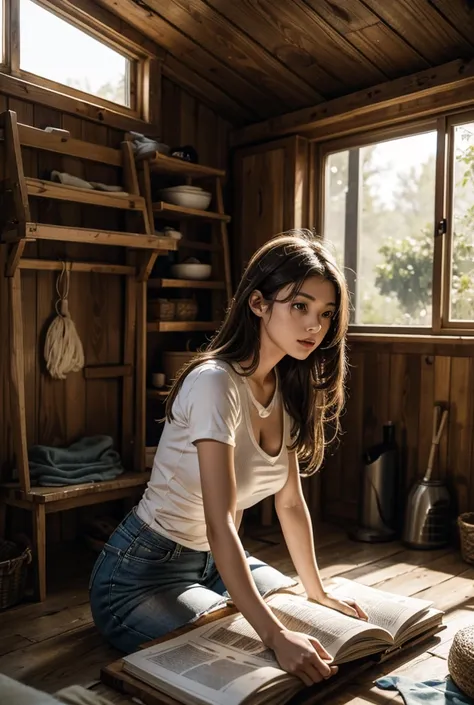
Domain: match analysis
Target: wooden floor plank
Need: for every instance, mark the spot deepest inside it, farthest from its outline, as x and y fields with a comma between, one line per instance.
x=396, y=565
x=68, y=659
x=435, y=572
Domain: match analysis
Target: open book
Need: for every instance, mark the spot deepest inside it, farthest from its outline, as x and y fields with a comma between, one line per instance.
x=226, y=663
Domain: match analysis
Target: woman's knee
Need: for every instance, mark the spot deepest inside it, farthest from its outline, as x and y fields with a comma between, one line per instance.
x=268, y=579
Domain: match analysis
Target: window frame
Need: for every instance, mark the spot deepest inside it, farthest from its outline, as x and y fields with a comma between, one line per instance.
x=441, y=325
x=451, y=123
x=139, y=58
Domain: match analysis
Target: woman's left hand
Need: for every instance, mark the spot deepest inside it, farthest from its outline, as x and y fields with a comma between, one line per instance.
x=343, y=604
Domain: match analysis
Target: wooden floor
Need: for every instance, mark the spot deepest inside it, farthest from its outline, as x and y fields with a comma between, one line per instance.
x=55, y=644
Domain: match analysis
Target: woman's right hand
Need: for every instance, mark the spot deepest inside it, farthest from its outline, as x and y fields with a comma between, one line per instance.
x=303, y=656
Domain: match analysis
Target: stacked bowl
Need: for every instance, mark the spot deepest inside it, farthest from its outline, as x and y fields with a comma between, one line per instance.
x=187, y=196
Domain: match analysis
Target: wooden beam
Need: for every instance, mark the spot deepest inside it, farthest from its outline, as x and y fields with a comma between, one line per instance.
x=92, y=197
x=445, y=87
x=14, y=257
x=56, y=266
x=24, y=90
x=128, y=384
x=200, y=63
x=17, y=382
x=152, y=98
x=38, y=231
x=62, y=144
x=207, y=92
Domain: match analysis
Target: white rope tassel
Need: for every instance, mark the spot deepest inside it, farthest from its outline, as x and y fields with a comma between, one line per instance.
x=63, y=349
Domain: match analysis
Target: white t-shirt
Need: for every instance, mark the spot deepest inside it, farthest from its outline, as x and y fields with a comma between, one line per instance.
x=212, y=403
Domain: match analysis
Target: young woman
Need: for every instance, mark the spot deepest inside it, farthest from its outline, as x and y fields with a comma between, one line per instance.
x=238, y=418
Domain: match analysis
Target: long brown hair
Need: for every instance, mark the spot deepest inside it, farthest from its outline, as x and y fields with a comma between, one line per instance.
x=312, y=389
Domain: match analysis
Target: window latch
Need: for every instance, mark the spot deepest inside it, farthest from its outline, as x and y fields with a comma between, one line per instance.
x=442, y=227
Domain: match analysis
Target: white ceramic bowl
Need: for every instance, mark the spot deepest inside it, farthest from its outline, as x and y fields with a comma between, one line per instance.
x=191, y=271
x=200, y=200
x=184, y=189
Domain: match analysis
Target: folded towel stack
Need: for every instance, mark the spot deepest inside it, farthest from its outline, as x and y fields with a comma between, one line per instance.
x=91, y=459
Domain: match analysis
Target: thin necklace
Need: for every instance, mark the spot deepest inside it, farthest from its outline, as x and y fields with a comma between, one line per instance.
x=263, y=411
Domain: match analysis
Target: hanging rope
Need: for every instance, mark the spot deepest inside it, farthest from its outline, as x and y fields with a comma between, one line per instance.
x=63, y=350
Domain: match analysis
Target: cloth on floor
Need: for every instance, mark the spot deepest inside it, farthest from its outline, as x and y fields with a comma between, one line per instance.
x=66, y=179
x=432, y=692
x=13, y=692
x=78, y=695
x=91, y=459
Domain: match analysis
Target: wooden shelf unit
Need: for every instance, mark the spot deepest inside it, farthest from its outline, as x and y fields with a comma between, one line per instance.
x=169, y=210
x=181, y=326
x=17, y=229
x=218, y=247
x=157, y=393
x=164, y=283
x=162, y=164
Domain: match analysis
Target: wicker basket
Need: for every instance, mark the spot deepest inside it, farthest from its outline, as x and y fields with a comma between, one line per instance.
x=13, y=569
x=461, y=660
x=466, y=533
x=186, y=309
x=173, y=361
x=161, y=310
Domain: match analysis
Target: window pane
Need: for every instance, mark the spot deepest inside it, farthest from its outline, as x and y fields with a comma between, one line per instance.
x=462, y=263
x=379, y=215
x=2, y=10
x=67, y=55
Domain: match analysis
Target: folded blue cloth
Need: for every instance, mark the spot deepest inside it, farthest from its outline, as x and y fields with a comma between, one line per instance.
x=91, y=459
x=434, y=692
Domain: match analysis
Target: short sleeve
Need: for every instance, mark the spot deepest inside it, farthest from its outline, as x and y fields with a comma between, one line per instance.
x=212, y=405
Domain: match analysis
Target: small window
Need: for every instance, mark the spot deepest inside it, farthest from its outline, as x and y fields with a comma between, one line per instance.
x=379, y=218
x=56, y=50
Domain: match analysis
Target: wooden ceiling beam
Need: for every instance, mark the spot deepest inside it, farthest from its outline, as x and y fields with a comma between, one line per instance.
x=146, y=19
x=433, y=90
x=209, y=94
x=209, y=29
x=422, y=26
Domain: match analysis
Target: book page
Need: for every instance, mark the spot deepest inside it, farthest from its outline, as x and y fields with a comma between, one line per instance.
x=385, y=609
x=333, y=629
x=208, y=672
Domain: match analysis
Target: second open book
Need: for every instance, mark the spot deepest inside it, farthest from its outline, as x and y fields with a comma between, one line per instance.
x=225, y=662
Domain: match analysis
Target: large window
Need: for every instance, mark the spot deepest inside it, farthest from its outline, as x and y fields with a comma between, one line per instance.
x=55, y=49
x=384, y=206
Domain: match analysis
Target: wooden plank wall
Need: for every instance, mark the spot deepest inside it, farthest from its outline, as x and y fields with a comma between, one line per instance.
x=59, y=412
x=401, y=382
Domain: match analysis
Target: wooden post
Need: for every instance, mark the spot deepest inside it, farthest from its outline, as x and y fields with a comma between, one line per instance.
x=224, y=240
x=17, y=387
x=39, y=547
x=140, y=397
x=3, y=519
x=129, y=359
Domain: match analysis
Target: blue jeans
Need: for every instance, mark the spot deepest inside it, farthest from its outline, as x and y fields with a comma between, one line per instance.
x=144, y=585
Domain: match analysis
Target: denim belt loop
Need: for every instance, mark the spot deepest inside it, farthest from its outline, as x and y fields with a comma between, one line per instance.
x=176, y=552
x=208, y=566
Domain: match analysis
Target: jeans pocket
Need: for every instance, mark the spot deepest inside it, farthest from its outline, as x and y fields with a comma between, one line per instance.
x=95, y=569
x=150, y=549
